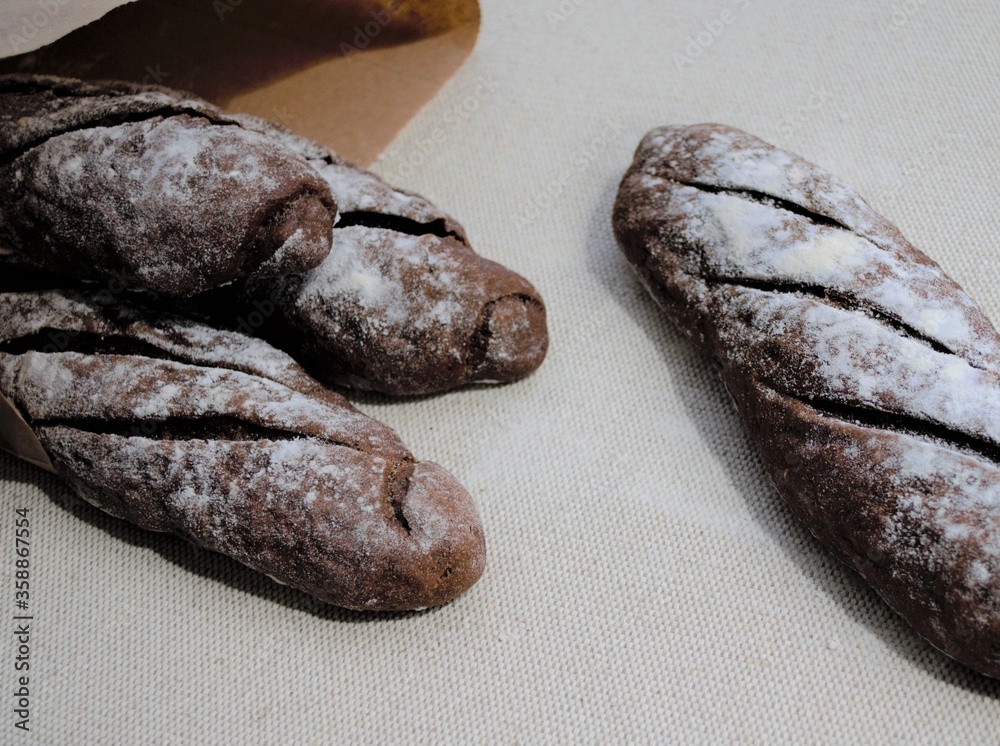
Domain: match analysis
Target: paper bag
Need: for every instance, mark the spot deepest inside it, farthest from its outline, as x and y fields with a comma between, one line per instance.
x=349, y=73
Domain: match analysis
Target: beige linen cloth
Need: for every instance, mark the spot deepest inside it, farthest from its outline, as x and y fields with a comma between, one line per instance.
x=645, y=582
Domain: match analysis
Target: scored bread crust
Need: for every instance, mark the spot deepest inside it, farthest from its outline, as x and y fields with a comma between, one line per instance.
x=224, y=440
x=402, y=305
x=865, y=376
x=155, y=189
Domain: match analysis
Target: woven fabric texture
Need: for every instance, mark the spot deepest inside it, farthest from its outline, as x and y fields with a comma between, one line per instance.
x=645, y=581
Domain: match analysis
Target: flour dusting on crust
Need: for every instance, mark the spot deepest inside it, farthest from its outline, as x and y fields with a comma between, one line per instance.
x=151, y=189
x=867, y=378
x=209, y=434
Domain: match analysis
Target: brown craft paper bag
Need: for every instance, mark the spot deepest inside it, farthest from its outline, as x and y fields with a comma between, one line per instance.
x=17, y=438
x=349, y=73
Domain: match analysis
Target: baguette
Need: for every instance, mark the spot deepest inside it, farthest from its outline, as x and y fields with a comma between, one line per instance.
x=151, y=188
x=402, y=305
x=865, y=376
x=220, y=438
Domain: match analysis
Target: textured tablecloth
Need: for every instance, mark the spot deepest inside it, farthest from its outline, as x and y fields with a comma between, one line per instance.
x=645, y=582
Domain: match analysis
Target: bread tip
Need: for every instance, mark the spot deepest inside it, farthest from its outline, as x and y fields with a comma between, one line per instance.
x=516, y=339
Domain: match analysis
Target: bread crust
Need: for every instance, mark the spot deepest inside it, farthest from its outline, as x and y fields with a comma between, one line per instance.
x=402, y=305
x=224, y=440
x=865, y=376
x=152, y=188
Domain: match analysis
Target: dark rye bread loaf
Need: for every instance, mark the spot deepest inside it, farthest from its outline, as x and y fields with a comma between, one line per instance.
x=865, y=376
x=226, y=441
x=155, y=189
x=402, y=305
